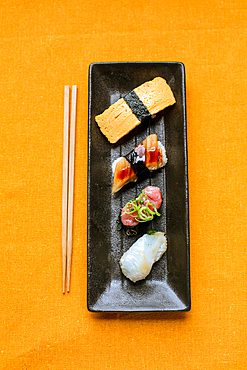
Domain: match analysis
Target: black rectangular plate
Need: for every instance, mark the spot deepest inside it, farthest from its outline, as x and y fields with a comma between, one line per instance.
x=167, y=287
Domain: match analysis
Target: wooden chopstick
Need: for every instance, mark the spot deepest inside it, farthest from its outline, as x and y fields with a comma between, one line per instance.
x=65, y=183
x=71, y=183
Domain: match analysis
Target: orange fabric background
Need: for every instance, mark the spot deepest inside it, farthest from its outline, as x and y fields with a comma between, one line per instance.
x=48, y=44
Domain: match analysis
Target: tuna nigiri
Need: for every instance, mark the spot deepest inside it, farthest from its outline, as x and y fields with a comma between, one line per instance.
x=147, y=156
x=137, y=262
x=143, y=208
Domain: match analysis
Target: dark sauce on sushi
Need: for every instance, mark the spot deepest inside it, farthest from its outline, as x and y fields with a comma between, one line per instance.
x=153, y=155
x=125, y=172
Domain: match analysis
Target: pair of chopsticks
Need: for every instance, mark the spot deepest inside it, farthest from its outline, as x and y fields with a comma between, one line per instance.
x=68, y=182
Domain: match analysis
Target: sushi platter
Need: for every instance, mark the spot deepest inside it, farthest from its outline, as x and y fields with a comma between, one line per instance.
x=138, y=201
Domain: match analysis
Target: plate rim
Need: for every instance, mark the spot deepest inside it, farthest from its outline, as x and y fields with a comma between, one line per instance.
x=187, y=227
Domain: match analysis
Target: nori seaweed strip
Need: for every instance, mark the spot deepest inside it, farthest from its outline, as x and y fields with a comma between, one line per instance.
x=137, y=106
x=137, y=164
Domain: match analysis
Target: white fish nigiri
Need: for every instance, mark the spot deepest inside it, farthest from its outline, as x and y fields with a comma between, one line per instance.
x=137, y=262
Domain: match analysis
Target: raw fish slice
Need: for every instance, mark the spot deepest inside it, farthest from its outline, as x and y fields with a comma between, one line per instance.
x=147, y=156
x=123, y=174
x=151, y=152
x=149, y=194
x=137, y=262
x=153, y=195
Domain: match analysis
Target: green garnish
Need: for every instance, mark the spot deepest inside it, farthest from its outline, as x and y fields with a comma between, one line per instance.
x=151, y=232
x=119, y=225
x=131, y=232
x=144, y=213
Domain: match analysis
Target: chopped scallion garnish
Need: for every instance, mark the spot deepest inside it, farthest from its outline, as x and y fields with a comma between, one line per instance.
x=131, y=232
x=151, y=232
x=140, y=211
x=119, y=225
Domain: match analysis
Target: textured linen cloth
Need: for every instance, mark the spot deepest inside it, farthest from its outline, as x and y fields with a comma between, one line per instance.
x=45, y=45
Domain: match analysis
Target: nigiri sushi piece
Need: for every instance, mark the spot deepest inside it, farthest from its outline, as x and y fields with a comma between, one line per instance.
x=139, y=104
x=138, y=261
x=143, y=208
x=146, y=157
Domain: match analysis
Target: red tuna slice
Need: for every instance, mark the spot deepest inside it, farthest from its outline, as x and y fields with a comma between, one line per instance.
x=129, y=220
x=153, y=195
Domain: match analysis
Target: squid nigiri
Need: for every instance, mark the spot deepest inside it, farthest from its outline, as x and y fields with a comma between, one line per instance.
x=137, y=262
x=147, y=156
x=143, y=208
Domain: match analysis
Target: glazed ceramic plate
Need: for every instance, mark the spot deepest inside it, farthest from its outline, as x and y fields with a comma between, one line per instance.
x=167, y=287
